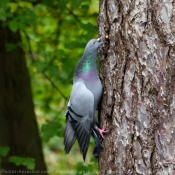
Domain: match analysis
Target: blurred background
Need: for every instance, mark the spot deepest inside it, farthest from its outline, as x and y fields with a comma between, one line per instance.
x=54, y=34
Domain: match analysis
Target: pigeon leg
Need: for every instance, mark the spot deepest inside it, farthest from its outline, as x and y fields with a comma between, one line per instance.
x=98, y=146
x=102, y=131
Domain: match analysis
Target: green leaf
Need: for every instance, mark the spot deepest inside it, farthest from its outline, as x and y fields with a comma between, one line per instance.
x=85, y=8
x=2, y=14
x=4, y=151
x=25, y=4
x=50, y=130
x=13, y=6
x=25, y=161
x=13, y=25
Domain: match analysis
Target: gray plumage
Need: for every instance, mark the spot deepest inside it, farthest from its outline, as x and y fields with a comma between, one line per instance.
x=84, y=100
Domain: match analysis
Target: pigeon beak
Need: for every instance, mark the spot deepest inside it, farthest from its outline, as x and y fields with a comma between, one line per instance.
x=98, y=39
x=100, y=43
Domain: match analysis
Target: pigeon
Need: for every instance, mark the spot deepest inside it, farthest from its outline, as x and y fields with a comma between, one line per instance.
x=84, y=101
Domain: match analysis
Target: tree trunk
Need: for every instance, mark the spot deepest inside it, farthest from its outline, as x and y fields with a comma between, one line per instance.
x=18, y=127
x=138, y=75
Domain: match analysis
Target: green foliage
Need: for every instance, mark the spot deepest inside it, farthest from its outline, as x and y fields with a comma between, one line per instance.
x=54, y=34
x=50, y=130
x=4, y=151
x=25, y=161
x=90, y=169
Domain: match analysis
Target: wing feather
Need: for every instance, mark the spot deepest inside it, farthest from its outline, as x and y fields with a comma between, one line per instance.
x=80, y=114
x=69, y=137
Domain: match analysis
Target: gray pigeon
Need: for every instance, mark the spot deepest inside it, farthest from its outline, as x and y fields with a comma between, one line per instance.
x=84, y=100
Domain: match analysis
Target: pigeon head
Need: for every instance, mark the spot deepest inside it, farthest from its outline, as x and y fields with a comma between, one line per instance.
x=93, y=45
x=86, y=67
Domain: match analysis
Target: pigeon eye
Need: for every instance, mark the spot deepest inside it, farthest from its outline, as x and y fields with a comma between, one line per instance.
x=93, y=43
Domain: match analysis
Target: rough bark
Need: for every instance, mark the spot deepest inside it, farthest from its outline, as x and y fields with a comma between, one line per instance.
x=18, y=127
x=138, y=75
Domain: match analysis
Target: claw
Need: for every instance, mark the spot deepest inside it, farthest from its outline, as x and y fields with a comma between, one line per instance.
x=101, y=131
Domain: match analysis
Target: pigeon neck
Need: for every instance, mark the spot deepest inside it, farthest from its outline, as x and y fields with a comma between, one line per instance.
x=87, y=66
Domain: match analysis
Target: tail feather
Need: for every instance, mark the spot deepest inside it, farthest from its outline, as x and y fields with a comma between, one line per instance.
x=83, y=136
x=77, y=129
x=69, y=137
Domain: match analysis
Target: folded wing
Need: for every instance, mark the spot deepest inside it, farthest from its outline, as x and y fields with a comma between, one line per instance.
x=80, y=114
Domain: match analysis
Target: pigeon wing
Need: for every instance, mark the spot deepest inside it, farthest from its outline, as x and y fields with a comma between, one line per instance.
x=79, y=115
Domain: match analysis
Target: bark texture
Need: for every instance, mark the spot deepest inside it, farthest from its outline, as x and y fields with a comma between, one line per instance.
x=138, y=75
x=18, y=127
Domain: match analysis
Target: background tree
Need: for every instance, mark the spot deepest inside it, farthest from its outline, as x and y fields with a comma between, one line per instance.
x=138, y=75
x=19, y=132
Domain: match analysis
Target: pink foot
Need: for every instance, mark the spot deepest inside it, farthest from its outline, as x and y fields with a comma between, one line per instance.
x=103, y=130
